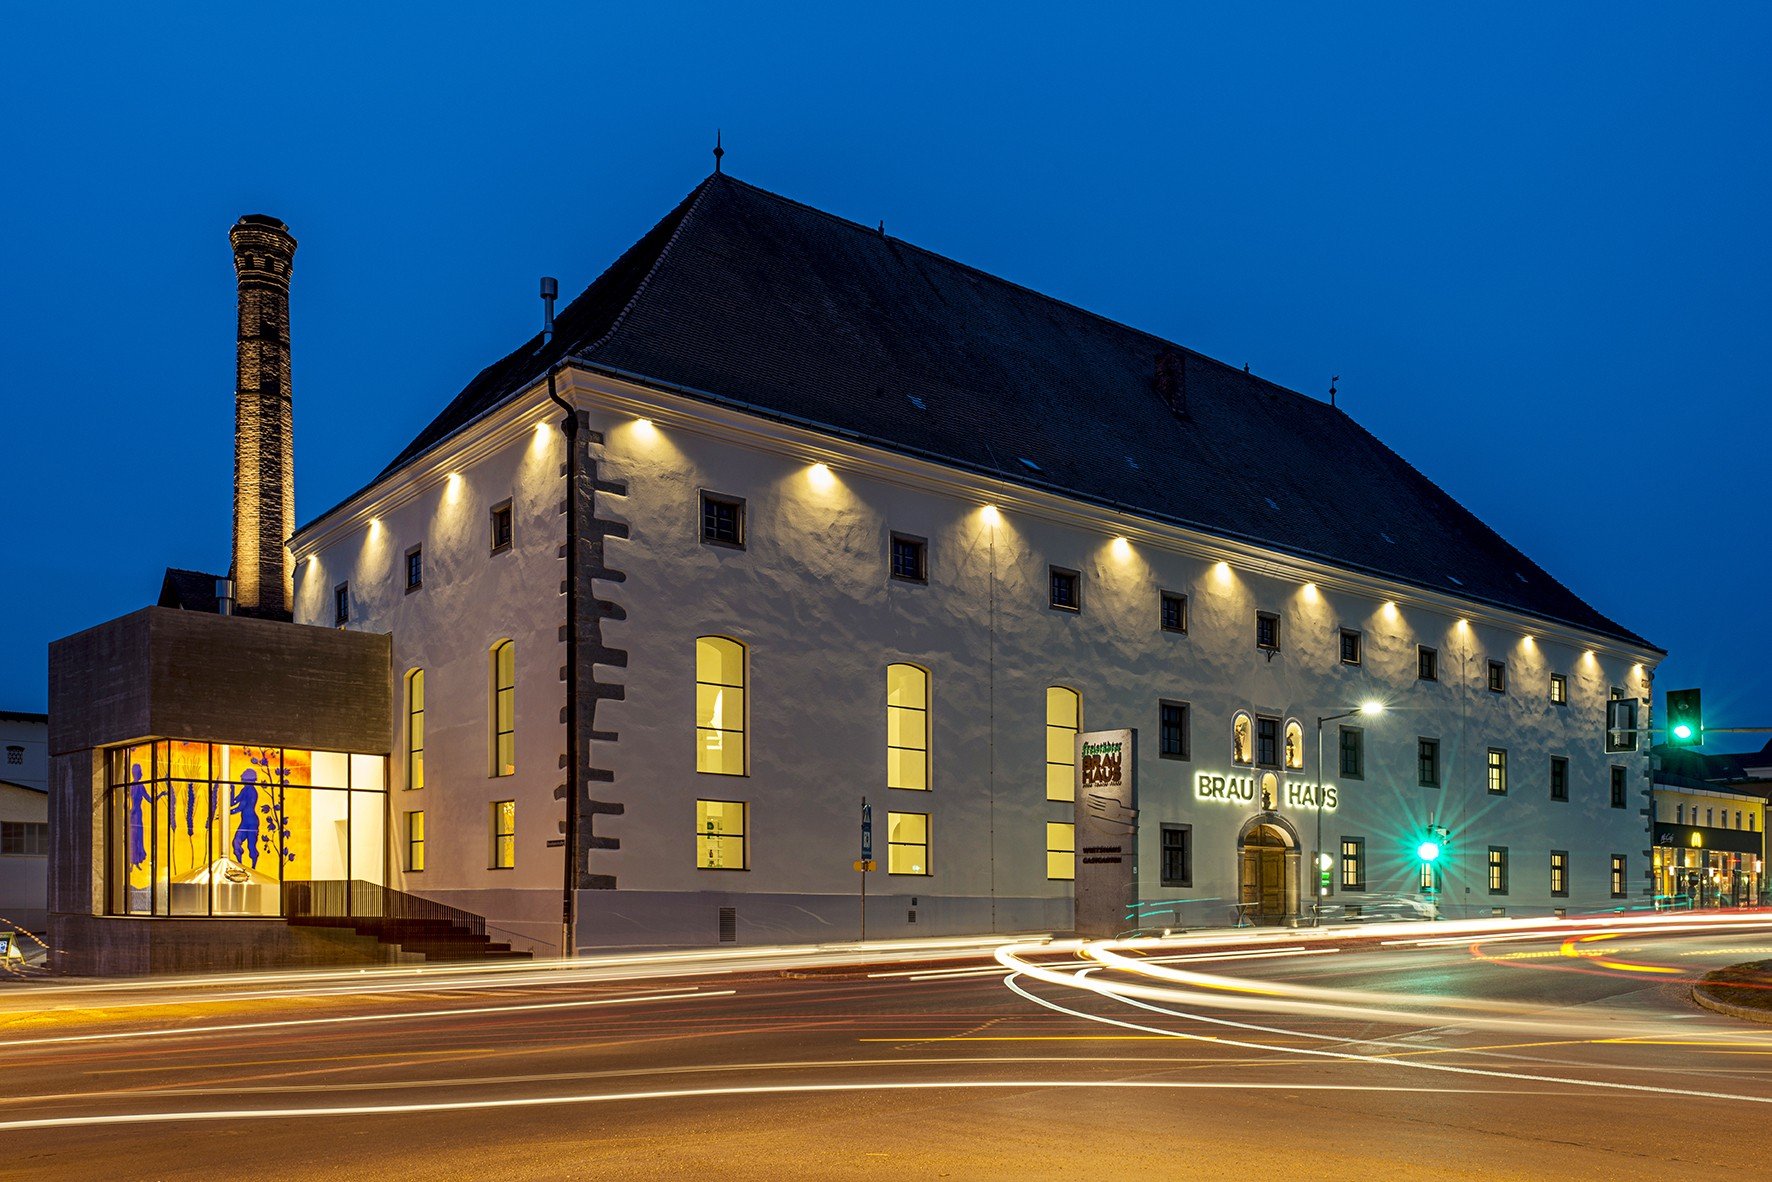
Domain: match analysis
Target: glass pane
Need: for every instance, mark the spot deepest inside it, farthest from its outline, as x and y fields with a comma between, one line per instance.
x=910, y=827
x=505, y=662
x=719, y=660
x=906, y=859
x=416, y=691
x=1061, y=782
x=1061, y=865
x=506, y=755
x=506, y=710
x=719, y=707
x=418, y=769
x=243, y=877
x=719, y=816
x=1060, y=836
x=719, y=752
x=904, y=728
x=369, y=773
x=416, y=733
x=906, y=685
x=719, y=853
x=906, y=769
x=1063, y=707
x=368, y=837
x=318, y=846
x=1061, y=745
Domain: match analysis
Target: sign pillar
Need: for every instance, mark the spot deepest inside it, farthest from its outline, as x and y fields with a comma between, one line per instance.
x=867, y=859
x=1107, y=832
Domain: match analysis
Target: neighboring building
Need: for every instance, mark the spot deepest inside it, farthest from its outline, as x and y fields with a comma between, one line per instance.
x=24, y=820
x=856, y=521
x=1709, y=833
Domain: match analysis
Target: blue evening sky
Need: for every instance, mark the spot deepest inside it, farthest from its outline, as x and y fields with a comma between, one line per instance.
x=1533, y=240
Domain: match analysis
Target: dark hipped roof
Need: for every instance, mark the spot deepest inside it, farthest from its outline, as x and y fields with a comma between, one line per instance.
x=189, y=590
x=743, y=295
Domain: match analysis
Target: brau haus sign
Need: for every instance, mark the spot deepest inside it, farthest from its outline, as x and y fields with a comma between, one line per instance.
x=1106, y=832
x=1263, y=790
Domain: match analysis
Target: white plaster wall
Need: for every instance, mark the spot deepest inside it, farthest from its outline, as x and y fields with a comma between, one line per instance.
x=33, y=736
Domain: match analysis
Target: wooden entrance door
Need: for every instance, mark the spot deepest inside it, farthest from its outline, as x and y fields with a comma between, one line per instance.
x=1264, y=877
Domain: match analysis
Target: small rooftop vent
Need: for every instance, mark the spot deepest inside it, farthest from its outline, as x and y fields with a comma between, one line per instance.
x=916, y=402
x=1028, y=464
x=1170, y=381
x=1455, y=579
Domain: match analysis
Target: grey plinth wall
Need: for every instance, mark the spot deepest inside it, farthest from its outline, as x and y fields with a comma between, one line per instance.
x=164, y=673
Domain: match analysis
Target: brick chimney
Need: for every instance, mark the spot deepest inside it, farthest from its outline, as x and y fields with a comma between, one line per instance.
x=264, y=459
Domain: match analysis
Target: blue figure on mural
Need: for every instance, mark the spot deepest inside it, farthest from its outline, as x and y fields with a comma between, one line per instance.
x=245, y=807
x=139, y=796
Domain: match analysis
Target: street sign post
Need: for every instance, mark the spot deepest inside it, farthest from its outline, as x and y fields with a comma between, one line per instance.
x=866, y=862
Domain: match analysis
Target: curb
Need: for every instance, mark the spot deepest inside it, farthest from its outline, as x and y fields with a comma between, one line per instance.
x=1704, y=993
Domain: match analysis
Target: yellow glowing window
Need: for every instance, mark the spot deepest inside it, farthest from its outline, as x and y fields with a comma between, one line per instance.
x=1064, y=719
x=719, y=706
x=504, y=834
x=1294, y=744
x=907, y=843
x=504, y=709
x=415, y=729
x=720, y=835
x=1242, y=739
x=1061, y=850
x=415, y=841
x=907, y=727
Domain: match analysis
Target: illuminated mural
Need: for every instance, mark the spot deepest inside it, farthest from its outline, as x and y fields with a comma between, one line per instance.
x=212, y=829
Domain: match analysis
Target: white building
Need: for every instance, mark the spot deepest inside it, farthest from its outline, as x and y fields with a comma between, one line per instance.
x=24, y=820
x=859, y=521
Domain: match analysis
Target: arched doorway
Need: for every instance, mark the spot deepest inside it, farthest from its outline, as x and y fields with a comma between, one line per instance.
x=1267, y=855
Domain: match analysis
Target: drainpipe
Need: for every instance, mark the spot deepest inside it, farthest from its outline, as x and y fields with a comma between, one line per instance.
x=574, y=785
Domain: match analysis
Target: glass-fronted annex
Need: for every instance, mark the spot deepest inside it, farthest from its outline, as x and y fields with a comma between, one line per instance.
x=201, y=829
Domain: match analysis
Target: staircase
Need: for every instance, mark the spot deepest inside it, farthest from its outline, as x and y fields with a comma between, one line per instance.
x=411, y=923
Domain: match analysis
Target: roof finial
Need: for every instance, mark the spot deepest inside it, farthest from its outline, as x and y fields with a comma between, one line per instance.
x=1332, y=382
x=718, y=150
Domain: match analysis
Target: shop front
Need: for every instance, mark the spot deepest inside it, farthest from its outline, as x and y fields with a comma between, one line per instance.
x=1700, y=866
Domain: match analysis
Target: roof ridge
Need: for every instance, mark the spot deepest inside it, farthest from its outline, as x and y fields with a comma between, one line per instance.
x=999, y=280
x=699, y=195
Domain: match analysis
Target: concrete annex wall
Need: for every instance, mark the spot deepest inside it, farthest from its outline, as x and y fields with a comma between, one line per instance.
x=811, y=598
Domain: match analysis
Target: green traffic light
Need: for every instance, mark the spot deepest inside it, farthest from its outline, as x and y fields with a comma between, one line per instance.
x=1428, y=851
x=1683, y=731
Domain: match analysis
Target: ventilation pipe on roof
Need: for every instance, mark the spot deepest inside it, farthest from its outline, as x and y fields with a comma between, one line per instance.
x=1170, y=382
x=550, y=291
x=224, y=596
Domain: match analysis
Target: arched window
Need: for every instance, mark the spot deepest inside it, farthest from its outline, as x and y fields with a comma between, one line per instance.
x=1294, y=745
x=504, y=708
x=907, y=727
x=719, y=706
x=415, y=729
x=1242, y=739
x=1064, y=720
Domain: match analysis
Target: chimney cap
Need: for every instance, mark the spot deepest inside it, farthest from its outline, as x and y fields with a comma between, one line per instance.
x=262, y=219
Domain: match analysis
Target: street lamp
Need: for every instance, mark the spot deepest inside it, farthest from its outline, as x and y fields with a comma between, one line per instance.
x=1370, y=709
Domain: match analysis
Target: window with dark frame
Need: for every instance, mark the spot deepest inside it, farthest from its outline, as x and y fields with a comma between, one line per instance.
x=1066, y=589
x=24, y=838
x=1427, y=663
x=1350, y=647
x=1559, y=868
x=1267, y=631
x=1267, y=741
x=415, y=840
x=501, y=527
x=1498, y=870
x=1498, y=677
x=1172, y=612
x=415, y=568
x=910, y=558
x=1559, y=778
x=1618, y=788
x=1427, y=762
x=1353, y=864
x=1620, y=880
x=341, y=605
x=1172, y=730
x=722, y=520
x=504, y=834
x=1559, y=689
x=1497, y=771
x=1177, y=851
x=1353, y=753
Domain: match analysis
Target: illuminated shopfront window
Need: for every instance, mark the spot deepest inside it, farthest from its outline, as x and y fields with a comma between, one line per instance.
x=211, y=829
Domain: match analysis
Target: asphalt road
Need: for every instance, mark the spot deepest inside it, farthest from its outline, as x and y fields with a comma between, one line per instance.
x=1493, y=1052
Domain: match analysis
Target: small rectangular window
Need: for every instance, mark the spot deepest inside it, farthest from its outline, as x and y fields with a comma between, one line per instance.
x=907, y=843
x=1178, y=855
x=504, y=834
x=1617, y=787
x=1267, y=742
x=1559, y=778
x=910, y=558
x=1353, y=864
x=1559, y=689
x=1497, y=771
x=720, y=835
x=1427, y=663
x=1498, y=677
x=1172, y=612
x=1172, y=730
x=24, y=838
x=722, y=520
x=1350, y=647
x=1061, y=850
x=341, y=605
x=1353, y=753
x=1427, y=762
x=1559, y=868
x=1620, y=881
x=1498, y=870
x=1066, y=589
x=415, y=568
x=501, y=527
x=415, y=840
x=1267, y=630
